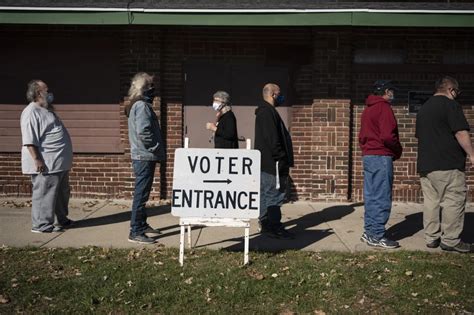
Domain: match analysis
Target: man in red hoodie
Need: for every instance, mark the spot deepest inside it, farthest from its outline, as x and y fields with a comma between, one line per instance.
x=380, y=145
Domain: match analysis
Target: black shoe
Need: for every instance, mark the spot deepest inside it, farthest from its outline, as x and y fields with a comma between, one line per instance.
x=263, y=227
x=433, y=244
x=461, y=247
x=149, y=229
x=34, y=230
x=141, y=239
x=64, y=226
x=383, y=242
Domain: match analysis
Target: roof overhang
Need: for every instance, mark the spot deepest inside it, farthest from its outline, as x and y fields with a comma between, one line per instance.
x=237, y=17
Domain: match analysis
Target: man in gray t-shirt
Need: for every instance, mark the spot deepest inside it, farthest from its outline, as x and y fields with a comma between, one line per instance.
x=46, y=155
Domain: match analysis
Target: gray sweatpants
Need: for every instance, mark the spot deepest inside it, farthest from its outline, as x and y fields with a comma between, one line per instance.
x=50, y=200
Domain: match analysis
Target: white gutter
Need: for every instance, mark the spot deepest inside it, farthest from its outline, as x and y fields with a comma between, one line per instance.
x=77, y=9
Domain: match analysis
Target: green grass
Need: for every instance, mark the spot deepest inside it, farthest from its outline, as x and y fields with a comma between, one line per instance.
x=147, y=281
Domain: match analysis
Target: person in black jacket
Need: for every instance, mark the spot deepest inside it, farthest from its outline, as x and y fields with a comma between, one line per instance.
x=225, y=127
x=273, y=141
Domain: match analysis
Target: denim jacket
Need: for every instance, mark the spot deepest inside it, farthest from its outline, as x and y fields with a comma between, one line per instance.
x=144, y=133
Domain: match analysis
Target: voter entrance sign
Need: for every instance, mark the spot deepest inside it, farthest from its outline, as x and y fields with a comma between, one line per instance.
x=216, y=183
x=215, y=187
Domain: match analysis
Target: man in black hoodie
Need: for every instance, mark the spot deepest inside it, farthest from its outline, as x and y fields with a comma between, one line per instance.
x=273, y=141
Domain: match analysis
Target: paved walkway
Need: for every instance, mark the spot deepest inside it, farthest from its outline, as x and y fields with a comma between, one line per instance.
x=318, y=227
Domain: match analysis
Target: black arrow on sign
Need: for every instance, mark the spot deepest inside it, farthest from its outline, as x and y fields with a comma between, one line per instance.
x=215, y=181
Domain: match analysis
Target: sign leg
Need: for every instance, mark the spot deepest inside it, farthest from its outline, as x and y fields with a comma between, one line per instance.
x=246, y=246
x=181, y=246
x=189, y=237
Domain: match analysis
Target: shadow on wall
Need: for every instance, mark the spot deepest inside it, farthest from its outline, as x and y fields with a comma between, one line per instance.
x=302, y=227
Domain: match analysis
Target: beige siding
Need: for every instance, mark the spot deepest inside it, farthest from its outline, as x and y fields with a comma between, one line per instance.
x=93, y=128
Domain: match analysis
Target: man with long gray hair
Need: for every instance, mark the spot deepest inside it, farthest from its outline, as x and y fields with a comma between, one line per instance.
x=46, y=155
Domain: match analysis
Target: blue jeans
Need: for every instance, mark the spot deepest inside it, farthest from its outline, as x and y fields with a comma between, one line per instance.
x=144, y=173
x=271, y=199
x=378, y=181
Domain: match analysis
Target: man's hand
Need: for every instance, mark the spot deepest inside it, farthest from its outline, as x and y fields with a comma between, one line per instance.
x=471, y=159
x=39, y=163
x=40, y=166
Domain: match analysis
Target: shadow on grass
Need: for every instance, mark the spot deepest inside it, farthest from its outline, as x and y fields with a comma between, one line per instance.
x=413, y=223
x=302, y=227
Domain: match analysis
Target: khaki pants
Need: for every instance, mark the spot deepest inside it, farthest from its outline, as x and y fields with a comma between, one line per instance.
x=444, y=194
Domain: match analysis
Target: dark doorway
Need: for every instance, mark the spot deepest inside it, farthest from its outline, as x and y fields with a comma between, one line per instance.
x=244, y=83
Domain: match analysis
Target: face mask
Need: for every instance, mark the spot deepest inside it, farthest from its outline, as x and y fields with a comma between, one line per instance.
x=50, y=98
x=216, y=106
x=149, y=95
x=280, y=99
x=391, y=97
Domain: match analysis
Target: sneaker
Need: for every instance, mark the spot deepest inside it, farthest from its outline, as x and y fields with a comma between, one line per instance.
x=383, y=243
x=149, y=229
x=41, y=231
x=433, y=244
x=141, y=239
x=365, y=238
x=58, y=229
x=461, y=247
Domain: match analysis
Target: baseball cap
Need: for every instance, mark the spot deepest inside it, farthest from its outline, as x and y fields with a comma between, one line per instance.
x=382, y=85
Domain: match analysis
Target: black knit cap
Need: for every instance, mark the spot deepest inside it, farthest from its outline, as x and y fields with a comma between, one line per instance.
x=382, y=85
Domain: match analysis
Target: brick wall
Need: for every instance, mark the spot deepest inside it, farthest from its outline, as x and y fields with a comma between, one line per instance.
x=330, y=91
x=424, y=50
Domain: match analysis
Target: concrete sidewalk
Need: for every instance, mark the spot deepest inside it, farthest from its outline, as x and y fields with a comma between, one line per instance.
x=318, y=227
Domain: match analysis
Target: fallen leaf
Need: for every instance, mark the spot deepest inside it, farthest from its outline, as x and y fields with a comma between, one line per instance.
x=255, y=274
x=189, y=280
x=4, y=299
x=274, y=275
x=33, y=279
x=409, y=273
